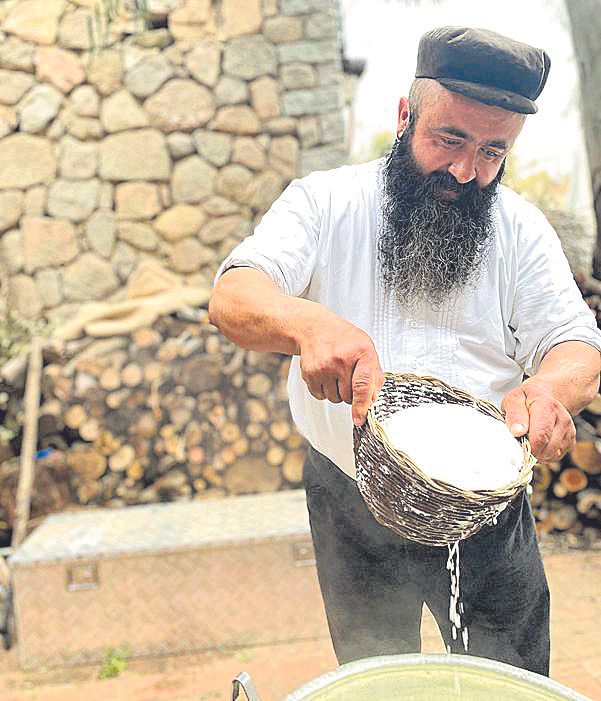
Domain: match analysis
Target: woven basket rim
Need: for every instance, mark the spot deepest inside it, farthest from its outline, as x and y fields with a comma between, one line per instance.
x=507, y=491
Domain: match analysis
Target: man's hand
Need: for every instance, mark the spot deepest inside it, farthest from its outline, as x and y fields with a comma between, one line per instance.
x=531, y=408
x=338, y=360
x=339, y=363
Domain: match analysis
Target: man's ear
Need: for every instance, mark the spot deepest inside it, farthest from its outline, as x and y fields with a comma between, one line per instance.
x=404, y=114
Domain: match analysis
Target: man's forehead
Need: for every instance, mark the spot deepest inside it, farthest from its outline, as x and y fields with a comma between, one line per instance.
x=468, y=118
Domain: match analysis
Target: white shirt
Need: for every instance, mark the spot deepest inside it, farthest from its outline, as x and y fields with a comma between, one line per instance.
x=319, y=241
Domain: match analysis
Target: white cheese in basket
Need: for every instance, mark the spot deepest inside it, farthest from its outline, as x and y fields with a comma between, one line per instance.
x=456, y=444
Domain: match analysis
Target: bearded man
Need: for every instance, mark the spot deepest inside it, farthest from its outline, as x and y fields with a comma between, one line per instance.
x=422, y=263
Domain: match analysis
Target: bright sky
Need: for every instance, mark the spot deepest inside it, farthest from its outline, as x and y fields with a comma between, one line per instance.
x=386, y=33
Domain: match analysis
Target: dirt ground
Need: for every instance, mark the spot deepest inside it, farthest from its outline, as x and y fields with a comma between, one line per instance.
x=574, y=578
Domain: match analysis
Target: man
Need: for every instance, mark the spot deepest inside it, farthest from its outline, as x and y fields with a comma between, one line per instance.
x=422, y=263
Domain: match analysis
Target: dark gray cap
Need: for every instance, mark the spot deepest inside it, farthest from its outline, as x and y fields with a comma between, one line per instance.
x=484, y=66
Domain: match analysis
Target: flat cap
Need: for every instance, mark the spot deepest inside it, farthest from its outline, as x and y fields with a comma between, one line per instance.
x=484, y=66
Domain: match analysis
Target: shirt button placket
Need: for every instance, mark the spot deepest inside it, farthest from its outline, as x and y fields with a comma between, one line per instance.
x=415, y=346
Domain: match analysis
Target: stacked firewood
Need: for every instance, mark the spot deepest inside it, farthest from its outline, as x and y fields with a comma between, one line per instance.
x=567, y=494
x=171, y=411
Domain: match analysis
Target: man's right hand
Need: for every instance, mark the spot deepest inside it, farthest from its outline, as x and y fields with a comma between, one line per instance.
x=339, y=363
x=338, y=360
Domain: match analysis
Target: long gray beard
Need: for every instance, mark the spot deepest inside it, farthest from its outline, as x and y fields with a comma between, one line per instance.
x=430, y=247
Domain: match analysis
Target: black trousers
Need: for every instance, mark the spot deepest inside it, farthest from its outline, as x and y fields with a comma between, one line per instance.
x=374, y=582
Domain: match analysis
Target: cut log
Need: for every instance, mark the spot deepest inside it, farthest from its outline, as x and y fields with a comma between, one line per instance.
x=115, y=399
x=180, y=417
x=588, y=502
x=193, y=434
x=293, y=466
x=256, y=410
x=214, y=477
x=75, y=416
x=49, y=425
x=230, y=433
x=240, y=447
x=176, y=447
x=537, y=498
x=573, y=479
x=564, y=517
x=275, y=455
x=295, y=440
x=110, y=379
x=254, y=430
x=196, y=455
x=131, y=375
x=153, y=372
x=90, y=430
x=13, y=371
x=280, y=430
x=87, y=462
x=107, y=443
x=559, y=490
x=135, y=471
x=542, y=477
x=235, y=363
x=586, y=456
x=122, y=459
x=146, y=337
x=259, y=385
x=212, y=345
x=52, y=407
x=228, y=456
x=145, y=425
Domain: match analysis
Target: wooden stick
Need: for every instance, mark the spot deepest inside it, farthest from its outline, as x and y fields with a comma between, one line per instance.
x=30, y=437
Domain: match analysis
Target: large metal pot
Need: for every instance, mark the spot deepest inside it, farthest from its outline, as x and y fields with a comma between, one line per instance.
x=424, y=678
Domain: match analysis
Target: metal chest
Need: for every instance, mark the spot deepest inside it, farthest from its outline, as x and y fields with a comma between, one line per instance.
x=166, y=578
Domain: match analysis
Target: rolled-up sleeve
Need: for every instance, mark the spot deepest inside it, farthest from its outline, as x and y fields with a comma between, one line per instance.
x=284, y=243
x=548, y=307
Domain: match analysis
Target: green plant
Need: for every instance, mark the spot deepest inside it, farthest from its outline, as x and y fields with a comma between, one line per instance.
x=538, y=185
x=16, y=333
x=114, y=663
x=381, y=144
x=106, y=11
x=244, y=655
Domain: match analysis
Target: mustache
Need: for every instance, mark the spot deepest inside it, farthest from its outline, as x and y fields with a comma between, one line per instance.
x=433, y=183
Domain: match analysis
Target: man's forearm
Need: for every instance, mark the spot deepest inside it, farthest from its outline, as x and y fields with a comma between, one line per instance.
x=252, y=311
x=570, y=371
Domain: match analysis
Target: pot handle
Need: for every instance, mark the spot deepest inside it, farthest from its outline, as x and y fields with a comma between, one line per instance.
x=244, y=682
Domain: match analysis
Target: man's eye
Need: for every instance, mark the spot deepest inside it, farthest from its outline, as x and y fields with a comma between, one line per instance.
x=450, y=142
x=492, y=155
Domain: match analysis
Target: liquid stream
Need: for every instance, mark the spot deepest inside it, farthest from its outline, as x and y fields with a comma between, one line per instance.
x=455, y=605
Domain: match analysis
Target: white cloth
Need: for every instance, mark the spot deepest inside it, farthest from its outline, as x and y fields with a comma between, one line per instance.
x=319, y=241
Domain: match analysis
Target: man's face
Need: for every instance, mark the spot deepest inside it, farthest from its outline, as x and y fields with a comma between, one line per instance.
x=439, y=184
x=465, y=138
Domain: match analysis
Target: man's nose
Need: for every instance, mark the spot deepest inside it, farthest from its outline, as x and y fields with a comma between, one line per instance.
x=463, y=168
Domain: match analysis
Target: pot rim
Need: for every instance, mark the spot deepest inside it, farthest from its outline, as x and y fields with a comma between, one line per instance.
x=471, y=662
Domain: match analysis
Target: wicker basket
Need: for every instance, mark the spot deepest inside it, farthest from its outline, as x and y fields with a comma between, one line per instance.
x=405, y=499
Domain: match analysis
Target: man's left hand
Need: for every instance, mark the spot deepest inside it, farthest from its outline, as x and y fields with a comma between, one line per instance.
x=532, y=409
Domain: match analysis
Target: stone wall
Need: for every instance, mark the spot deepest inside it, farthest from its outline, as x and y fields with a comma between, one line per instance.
x=167, y=143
